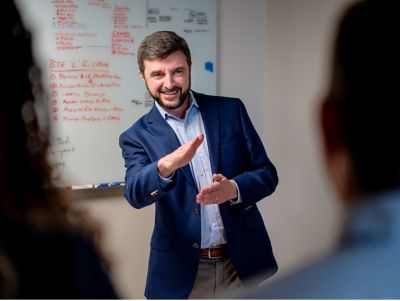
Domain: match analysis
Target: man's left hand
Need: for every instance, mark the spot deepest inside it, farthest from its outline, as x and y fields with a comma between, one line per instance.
x=220, y=191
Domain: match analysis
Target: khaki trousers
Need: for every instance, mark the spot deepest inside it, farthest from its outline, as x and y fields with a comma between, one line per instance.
x=215, y=278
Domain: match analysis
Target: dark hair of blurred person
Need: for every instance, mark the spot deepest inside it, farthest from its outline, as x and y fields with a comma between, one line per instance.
x=47, y=249
x=364, y=99
x=360, y=122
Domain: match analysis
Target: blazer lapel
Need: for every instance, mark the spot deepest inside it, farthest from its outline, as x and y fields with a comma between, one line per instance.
x=167, y=137
x=210, y=116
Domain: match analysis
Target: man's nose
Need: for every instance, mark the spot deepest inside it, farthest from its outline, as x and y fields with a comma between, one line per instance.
x=169, y=81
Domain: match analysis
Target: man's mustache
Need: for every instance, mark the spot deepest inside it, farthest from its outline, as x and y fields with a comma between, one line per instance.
x=173, y=90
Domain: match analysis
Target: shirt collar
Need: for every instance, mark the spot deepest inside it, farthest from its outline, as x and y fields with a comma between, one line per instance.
x=166, y=115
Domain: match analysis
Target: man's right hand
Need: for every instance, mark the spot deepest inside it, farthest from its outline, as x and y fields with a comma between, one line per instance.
x=179, y=158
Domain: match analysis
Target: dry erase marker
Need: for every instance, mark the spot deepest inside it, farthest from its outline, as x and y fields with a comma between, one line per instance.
x=117, y=184
x=101, y=185
x=73, y=187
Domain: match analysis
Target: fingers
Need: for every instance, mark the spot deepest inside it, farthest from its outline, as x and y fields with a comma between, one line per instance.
x=218, y=177
x=188, y=150
x=215, y=186
x=218, y=192
x=197, y=141
x=185, y=153
x=180, y=157
x=209, y=199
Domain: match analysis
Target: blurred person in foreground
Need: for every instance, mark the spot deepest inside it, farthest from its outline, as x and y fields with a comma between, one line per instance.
x=360, y=122
x=47, y=249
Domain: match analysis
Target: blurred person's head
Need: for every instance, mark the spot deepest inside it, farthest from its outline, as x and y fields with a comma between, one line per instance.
x=27, y=198
x=26, y=190
x=361, y=114
x=23, y=168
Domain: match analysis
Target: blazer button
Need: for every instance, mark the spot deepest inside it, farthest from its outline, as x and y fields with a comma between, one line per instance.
x=196, y=245
x=197, y=211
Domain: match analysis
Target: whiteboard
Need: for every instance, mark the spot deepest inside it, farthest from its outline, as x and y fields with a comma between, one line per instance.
x=86, y=50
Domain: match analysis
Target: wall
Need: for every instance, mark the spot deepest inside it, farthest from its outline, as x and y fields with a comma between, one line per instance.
x=274, y=55
x=303, y=215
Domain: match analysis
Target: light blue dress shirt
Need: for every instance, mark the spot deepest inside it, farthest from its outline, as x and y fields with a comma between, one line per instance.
x=186, y=129
x=364, y=266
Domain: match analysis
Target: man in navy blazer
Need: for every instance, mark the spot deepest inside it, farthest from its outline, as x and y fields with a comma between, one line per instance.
x=199, y=159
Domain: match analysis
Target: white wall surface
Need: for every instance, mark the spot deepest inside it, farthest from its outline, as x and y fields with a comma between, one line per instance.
x=274, y=55
x=303, y=216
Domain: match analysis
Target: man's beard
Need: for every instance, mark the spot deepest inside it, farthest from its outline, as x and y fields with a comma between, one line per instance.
x=182, y=97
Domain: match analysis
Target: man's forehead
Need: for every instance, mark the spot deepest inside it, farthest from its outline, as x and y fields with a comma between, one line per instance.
x=170, y=62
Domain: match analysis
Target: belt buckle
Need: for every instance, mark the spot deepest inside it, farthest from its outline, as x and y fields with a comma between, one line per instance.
x=212, y=257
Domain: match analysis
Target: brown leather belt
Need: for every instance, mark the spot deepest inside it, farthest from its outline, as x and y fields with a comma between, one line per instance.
x=217, y=252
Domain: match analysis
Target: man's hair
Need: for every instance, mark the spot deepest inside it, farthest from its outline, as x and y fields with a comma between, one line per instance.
x=365, y=91
x=159, y=45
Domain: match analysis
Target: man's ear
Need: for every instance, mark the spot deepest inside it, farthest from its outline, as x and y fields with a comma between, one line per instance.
x=330, y=127
x=141, y=74
x=337, y=157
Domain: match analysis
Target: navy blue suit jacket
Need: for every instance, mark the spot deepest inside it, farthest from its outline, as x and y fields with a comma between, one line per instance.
x=236, y=151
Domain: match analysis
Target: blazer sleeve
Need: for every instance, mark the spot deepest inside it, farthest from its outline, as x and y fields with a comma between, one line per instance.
x=260, y=178
x=143, y=185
